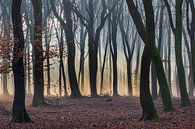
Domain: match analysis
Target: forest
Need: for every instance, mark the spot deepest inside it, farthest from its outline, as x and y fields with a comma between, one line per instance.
x=97, y=64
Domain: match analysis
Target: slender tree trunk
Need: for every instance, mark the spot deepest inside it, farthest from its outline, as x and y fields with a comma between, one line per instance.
x=5, y=78
x=47, y=36
x=137, y=62
x=83, y=35
x=110, y=72
x=61, y=62
x=178, y=53
x=48, y=63
x=192, y=37
x=6, y=35
x=154, y=76
x=190, y=75
x=169, y=61
x=114, y=52
x=62, y=66
x=103, y=67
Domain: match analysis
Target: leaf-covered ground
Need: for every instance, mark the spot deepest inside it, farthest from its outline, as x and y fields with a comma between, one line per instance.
x=97, y=113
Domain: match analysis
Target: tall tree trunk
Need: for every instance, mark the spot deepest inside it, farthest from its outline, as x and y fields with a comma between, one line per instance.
x=177, y=30
x=47, y=36
x=61, y=61
x=138, y=50
x=178, y=53
x=62, y=66
x=6, y=35
x=128, y=52
x=5, y=76
x=48, y=61
x=191, y=31
x=38, y=99
x=114, y=24
x=83, y=35
x=68, y=27
x=19, y=112
x=148, y=36
x=75, y=91
x=93, y=61
x=190, y=75
x=169, y=60
x=154, y=76
x=103, y=67
x=149, y=110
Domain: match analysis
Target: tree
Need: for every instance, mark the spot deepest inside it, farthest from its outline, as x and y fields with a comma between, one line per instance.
x=71, y=49
x=6, y=29
x=19, y=112
x=103, y=65
x=169, y=58
x=114, y=20
x=28, y=17
x=177, y=31
x=190, y=75
x=47, y=12
x=93, y=38
x=150, y=53
x=38, y=99
x=160, y=43
x=191, y=32
x=128, y=51
x=83, y=35
x=68, y=28
x=149, y=111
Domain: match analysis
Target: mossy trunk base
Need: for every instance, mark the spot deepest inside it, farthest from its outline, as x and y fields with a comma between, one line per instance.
x=152, y=116
x=185, y=103
x=38, y=102
x=21, y=116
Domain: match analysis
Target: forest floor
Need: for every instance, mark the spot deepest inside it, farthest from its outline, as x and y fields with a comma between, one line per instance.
x=97, y=113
